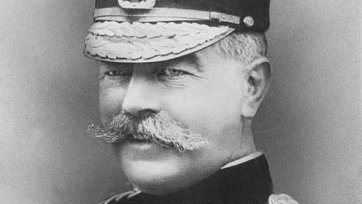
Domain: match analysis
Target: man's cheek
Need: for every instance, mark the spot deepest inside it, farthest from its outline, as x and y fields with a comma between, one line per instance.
x=110, y=104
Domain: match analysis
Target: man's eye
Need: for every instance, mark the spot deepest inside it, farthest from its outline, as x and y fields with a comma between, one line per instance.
x=118, y=73
x=171, y=72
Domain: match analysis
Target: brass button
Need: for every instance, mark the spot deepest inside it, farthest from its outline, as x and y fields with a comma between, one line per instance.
x=248, y=21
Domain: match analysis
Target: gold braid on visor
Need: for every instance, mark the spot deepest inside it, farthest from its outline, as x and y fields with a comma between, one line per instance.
x=136, y=42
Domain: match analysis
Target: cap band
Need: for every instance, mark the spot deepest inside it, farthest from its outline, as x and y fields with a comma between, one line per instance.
x=163, y=15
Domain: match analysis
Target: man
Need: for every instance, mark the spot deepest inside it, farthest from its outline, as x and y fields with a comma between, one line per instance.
x=180, y=82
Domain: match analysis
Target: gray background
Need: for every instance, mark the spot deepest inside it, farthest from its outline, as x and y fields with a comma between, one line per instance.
x=309, y=126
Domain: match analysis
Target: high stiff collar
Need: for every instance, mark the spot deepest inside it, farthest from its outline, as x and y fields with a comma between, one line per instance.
x=248, y=182
x=242, y=160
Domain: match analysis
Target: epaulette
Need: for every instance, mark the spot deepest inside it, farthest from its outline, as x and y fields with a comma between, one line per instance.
x=281, y=199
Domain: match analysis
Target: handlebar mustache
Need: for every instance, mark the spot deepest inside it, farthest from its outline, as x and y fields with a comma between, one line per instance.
x=157, y=128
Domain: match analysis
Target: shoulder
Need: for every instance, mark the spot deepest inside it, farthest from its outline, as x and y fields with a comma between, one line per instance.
x=123, y=198
x=281, y=199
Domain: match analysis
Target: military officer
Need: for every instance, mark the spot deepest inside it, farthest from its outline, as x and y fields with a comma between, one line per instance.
x=180, y=82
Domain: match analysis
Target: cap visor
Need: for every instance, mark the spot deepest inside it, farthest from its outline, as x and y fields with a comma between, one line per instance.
x=146, y=42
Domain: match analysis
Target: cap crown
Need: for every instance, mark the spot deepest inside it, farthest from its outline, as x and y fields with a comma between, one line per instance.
x=256, y=10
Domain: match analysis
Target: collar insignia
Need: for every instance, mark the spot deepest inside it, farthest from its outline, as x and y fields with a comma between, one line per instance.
x=137, y=4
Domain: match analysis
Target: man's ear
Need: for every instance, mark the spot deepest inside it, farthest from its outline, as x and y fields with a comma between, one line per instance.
x=258, y=78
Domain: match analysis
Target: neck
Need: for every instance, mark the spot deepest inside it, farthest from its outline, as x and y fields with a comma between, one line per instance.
x=247, y=135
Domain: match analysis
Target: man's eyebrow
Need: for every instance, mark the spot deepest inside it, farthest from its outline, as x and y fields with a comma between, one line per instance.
x=195, y=60
x=116, y=64
x=192, y=59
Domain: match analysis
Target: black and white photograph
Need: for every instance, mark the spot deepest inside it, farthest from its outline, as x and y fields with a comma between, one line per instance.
x=181, y=102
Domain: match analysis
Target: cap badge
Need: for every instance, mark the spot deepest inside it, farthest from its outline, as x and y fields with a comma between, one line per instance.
x=137, y=4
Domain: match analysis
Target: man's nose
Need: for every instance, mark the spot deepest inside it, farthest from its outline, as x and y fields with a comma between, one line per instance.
x=141, y=97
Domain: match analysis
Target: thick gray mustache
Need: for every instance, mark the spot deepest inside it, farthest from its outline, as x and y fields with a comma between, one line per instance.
x=156, y=128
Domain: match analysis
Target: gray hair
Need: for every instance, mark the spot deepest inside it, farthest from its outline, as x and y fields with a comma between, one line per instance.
x=245, y=47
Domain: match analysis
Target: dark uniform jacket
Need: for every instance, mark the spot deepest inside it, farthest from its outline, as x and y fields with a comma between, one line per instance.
x=246, y=183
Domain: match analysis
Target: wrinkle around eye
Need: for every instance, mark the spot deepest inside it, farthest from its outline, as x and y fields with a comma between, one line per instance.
x=181, y=81
x=114, y=81
x=175, y=84
x=106, y=84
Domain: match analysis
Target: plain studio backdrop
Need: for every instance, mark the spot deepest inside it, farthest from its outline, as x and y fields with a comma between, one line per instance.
x=309, y=126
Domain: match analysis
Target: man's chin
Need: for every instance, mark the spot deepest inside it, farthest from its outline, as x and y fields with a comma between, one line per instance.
x=146, y=160
x=153, y=177
x=152, y=168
